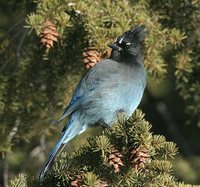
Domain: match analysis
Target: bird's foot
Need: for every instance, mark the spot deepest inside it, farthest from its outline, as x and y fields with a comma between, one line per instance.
x=103, y=124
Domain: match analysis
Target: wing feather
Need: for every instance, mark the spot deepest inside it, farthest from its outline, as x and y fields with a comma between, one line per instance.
x=88, y=84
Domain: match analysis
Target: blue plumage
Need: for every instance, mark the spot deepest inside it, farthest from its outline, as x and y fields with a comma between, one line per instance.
x=111, y=85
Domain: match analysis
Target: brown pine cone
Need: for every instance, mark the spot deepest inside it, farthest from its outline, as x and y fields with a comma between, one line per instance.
x=139, y=157
x=102, y=184
x=116, y=159
x=48, y=34
x=77, y=181
x=91, y=56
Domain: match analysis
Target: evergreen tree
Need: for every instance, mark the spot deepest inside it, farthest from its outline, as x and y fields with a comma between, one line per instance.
x=41, y=64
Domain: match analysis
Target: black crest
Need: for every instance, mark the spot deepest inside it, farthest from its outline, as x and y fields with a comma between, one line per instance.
x=136, y=34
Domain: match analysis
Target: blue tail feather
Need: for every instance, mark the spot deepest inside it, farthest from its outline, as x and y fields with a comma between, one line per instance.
x=70, y=131
x=57, y=149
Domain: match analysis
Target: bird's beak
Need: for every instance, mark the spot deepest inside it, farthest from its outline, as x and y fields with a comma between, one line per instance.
x=114, y=46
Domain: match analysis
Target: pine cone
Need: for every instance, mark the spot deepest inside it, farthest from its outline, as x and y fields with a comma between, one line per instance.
x=115, y=159
x=139, y=157
x=102, y=184
x=90, y=57
x=77, y=181
x=48, y=34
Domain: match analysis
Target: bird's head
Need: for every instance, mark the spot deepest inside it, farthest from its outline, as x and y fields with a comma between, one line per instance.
x=128, y=44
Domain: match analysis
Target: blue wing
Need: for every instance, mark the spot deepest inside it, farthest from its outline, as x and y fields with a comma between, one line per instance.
x=87, y=84
x=73, y=105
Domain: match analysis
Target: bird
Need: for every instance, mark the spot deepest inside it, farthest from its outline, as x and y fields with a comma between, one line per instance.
x=113, y=85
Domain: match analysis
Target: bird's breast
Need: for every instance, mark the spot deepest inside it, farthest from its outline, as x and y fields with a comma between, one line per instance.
x=118, y=91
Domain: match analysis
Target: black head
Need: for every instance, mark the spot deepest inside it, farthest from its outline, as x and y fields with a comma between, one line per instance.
x=129, y=43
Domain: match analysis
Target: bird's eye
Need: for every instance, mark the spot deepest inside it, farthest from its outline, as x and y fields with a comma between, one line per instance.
x=127, y=45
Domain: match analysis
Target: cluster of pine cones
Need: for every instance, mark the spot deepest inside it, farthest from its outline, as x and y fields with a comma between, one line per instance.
x=138, y=158
x=49, y=35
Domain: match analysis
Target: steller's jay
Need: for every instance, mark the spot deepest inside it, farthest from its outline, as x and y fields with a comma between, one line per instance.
x=112, y=85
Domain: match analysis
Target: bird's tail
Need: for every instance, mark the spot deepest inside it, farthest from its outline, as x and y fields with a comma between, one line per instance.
x=70, y=131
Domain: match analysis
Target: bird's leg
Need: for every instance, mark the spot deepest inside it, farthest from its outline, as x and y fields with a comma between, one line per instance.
x=121, y=115
x=121, y=111
x=103, y=123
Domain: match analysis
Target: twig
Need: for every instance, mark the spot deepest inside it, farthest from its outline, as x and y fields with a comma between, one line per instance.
x=171, y=125
x=5, y=171
x=16, y=24
x=172, y=128
x=35, y=152
x=5, y=155
x=14, y=130
x=22, y=39
x=39, y=149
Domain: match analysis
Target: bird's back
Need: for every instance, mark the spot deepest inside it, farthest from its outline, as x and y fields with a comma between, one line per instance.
x=117, y=86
